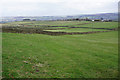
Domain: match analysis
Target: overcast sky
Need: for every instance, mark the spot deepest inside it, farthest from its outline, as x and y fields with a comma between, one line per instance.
x=56, y=7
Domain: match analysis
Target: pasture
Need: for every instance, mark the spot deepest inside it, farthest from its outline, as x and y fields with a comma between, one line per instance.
x=61, y=56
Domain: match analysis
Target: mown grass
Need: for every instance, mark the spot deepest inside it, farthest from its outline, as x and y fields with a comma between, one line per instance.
x=76, y=30
x=68, y=56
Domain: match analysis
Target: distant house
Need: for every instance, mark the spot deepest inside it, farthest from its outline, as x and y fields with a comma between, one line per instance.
x=102, y=20
x=96, y=20
x=26, y=20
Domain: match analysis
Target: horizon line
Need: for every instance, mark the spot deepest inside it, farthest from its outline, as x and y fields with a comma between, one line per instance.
x=62, y=15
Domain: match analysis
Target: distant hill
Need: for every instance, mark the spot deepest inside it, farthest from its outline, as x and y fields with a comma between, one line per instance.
x=112, y=16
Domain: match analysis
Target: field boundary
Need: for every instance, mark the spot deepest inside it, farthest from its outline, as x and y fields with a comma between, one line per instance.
x=40, y=31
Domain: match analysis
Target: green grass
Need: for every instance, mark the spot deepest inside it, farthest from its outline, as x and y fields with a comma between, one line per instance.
x=76, y=30
x=68, y=56
x=65, y=23
x=100, y=25
x=46, y=23
x=0, y=54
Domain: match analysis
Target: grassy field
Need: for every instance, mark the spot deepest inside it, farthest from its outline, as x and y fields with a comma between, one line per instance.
x=100, y=25
x=67, y=56
x=50, y=23
x=66, y=23
x=76, y=30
